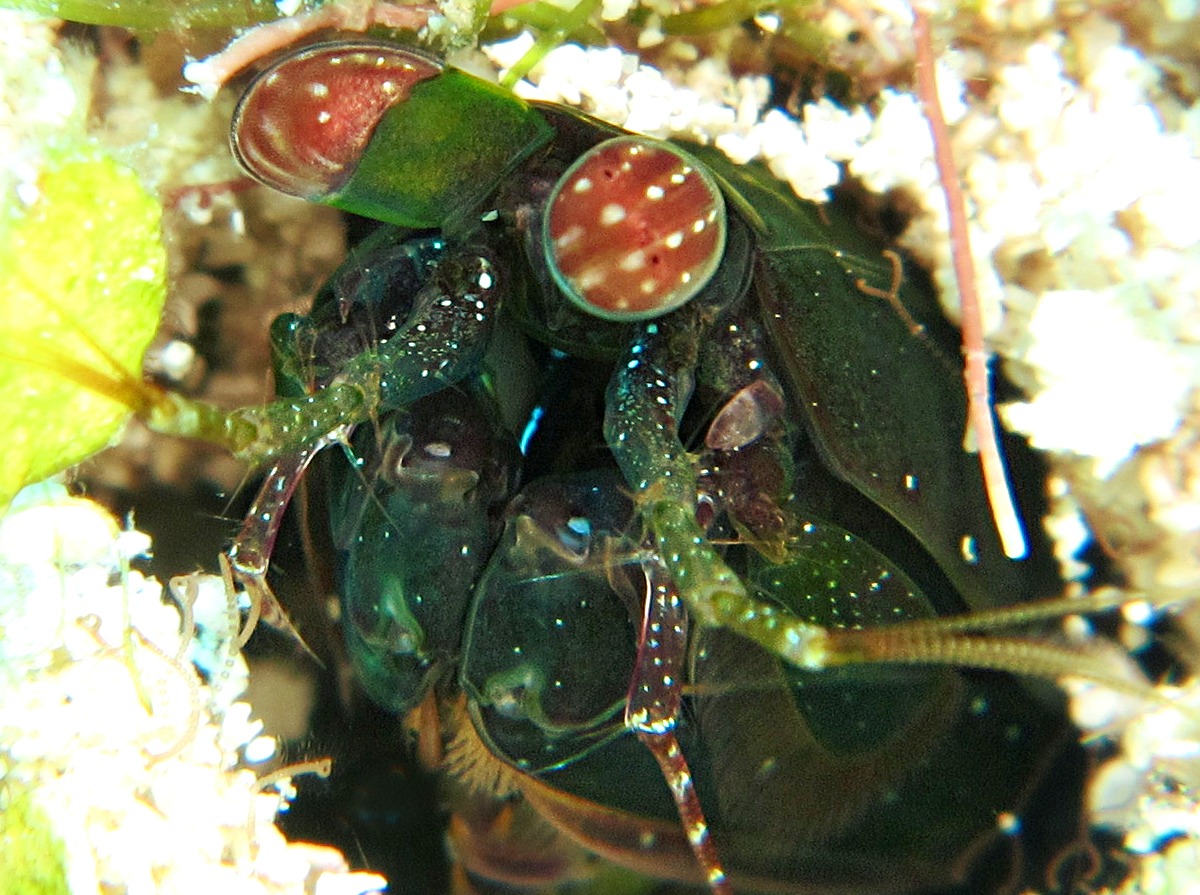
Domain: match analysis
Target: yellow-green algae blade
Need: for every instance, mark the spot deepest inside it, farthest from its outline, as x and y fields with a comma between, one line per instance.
x=82, y=285
x=31, y=857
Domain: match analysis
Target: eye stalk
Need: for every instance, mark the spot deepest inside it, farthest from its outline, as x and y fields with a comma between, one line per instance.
x=303, y=124
x=634, y=229
x=384, y=132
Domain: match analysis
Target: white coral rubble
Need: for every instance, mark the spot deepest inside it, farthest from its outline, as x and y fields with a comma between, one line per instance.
x=132, y=758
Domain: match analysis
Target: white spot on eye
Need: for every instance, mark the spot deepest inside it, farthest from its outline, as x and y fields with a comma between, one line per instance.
x=612, y=213
x=648, y=286
x=685, y=277
x=654, y=192
x=319, y=89
x=485, y=281
x=711, y=216
x=387, y=87
x=569, y=237
x=634, y=149
x=635, y=260
x=626, y=167
x=686, y=170
x=621, y=305
x=582, y=185
x=674, y=240
x=323, y=117
x=698, y=225
x=438, y=449
x=589, y=279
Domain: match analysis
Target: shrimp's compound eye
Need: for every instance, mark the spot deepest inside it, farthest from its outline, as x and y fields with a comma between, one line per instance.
x=634, y=229
x=303, y=124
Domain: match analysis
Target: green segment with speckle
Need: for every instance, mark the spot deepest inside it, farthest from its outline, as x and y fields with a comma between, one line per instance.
x=82, y=285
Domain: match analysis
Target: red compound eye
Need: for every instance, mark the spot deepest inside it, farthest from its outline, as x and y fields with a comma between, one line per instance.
x=634, y=229
x=303, y=124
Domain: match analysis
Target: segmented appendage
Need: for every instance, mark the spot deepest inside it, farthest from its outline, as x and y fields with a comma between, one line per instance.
x=641, y=427
x=653, y=708
x=301, y=127
x=440, y=342
x=634, y=229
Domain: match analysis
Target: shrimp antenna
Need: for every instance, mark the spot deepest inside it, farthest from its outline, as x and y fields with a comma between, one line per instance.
x=975, y=371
